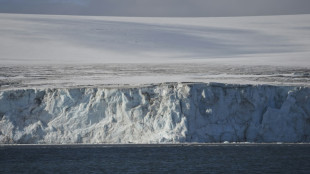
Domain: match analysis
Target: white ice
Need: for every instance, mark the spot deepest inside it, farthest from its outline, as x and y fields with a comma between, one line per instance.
x=75, y=79
x=163, y=113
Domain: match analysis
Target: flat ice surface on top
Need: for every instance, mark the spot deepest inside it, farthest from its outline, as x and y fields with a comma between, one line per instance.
x=278, y=40
x=70, y=51
x=129, y=75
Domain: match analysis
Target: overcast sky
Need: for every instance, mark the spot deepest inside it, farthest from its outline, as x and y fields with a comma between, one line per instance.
x=188, y=8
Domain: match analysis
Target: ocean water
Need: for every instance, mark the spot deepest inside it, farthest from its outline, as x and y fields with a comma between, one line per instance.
x=203, y=158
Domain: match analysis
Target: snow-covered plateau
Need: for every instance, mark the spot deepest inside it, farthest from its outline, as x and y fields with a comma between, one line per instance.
x=87, y=79
x=159, y=113
x=259, y=40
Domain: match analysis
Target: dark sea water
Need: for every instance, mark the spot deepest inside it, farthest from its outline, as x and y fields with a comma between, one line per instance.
x=231, y=158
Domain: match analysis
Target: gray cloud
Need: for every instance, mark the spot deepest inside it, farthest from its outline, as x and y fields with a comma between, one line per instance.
x=157, y=7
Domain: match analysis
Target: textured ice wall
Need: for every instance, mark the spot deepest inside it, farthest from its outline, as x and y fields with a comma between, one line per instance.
x=163, y=113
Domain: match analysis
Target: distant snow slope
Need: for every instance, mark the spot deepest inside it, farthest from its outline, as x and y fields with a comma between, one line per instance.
x=74, y=79
x=280, y=40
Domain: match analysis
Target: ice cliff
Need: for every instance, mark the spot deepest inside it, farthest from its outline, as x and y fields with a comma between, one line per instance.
x=162, y=113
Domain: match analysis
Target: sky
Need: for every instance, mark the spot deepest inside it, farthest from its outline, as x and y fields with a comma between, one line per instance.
x=158, y=8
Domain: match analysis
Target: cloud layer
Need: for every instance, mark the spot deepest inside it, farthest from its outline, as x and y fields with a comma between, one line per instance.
x=188, y=8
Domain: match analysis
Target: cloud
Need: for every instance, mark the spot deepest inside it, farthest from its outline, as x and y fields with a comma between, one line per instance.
x=77, y=2
x=44, y=1
x=158, y=7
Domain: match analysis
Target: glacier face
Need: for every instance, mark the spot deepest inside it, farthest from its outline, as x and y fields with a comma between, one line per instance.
x=161, y=113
